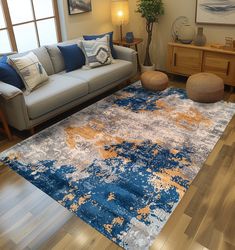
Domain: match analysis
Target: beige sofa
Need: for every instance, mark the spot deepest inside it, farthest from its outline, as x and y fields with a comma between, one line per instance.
x=63, y=90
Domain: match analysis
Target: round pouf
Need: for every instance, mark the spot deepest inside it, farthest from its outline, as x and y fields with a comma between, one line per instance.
x=154, y=80
x=205, y=88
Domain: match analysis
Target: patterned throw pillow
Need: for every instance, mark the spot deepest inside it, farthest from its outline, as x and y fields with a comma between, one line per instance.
x=110, y=34
x=97, y=52
x=30, y=70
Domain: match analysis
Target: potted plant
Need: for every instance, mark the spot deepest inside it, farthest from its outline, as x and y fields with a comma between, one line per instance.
x=151, y=10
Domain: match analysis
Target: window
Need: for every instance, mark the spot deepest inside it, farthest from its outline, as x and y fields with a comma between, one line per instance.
x=5, y=44
x=28, y=24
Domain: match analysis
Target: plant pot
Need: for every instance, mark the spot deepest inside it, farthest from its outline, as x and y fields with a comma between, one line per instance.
x=147, y=68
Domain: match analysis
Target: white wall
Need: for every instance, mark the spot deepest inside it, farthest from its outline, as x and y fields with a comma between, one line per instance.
x=99, y=21
x=94, y=22
x=162, y=31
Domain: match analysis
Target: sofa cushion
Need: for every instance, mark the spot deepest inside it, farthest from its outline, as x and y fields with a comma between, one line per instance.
x=59, y=91
x=56, y=56
x=30, y=70
x=94, y=37
x=9, y=75
x=97, y=52
x=74, y=57
x=98, y=78
x=43, y=58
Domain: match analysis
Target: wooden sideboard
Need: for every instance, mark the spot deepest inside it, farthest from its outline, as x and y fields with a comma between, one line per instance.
x=190, y=59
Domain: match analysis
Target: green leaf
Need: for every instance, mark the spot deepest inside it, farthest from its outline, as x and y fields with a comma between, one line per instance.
x=151, y=10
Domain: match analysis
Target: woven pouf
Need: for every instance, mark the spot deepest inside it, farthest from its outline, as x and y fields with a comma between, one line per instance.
x=154, y=80
x=205, y=88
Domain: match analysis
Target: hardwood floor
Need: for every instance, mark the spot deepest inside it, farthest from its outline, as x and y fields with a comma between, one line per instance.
x=204, y=219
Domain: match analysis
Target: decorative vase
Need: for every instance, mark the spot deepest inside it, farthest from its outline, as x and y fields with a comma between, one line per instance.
x=186, y=34
x=130, y=37
x=200, y=39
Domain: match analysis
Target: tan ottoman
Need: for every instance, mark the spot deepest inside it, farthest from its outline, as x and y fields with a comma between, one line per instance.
x=205, y=88
x=154, y=80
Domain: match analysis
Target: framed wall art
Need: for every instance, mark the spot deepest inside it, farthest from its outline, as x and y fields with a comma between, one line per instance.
x=215, y=12
x=79, y=6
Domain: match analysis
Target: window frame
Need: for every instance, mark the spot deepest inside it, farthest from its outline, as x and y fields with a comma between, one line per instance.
x=10, y=27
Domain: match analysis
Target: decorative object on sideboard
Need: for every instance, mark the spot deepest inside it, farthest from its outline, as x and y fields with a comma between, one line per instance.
x=217, y=46
x=215, y=12
x=79, y=6
x=186, y=34
x=130, y=37
x=228, y=43
x=120, y=14
x=176, y=26
x=151, y=10
x=200, y=38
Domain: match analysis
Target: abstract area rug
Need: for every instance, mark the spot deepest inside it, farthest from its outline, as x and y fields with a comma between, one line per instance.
x=124, y=163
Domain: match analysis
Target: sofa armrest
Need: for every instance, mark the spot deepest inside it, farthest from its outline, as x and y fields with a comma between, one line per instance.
x=13, y=102
x=127, y=54
x=8, y=91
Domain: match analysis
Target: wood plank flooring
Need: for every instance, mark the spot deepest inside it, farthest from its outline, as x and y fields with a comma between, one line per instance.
x=204, y=219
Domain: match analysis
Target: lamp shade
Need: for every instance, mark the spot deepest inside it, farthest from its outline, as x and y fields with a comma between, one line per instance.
x=120, y=12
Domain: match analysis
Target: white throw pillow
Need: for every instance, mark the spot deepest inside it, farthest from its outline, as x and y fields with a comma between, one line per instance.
x=97, y=52
x=30, y=70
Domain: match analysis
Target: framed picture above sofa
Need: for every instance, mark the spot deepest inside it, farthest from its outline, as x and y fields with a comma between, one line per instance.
x=215, y=12
x=79, y=6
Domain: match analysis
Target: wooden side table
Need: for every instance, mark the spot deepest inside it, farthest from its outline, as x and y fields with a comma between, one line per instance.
x=5, y=128
x=135, y=43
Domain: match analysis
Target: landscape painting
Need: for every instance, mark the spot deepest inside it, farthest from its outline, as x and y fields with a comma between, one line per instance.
x=79, y=6
x=216, y=12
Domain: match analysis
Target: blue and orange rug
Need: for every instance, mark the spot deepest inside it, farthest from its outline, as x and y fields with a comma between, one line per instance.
x=123, y=164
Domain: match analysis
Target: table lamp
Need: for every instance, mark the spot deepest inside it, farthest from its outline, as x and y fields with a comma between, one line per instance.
x=120, y=13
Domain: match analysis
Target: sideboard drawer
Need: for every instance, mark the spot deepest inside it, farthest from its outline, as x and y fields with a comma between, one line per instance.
x=186, y=61
x=220, y=64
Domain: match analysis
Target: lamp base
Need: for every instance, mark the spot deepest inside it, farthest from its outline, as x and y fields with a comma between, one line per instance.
x=120, y=38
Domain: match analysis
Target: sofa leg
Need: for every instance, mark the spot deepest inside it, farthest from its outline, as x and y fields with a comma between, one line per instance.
x=32, y=131
x=128, y=81
x=5, y=129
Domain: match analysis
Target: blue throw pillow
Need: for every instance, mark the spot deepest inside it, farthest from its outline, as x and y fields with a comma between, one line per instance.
x=93, y=37
x=73, y=57
x=9, y=75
